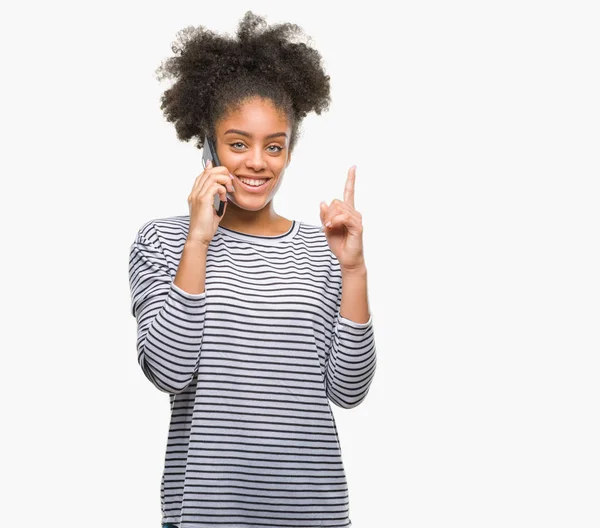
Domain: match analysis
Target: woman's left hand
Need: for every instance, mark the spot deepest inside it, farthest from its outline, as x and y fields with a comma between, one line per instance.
x=343, y=227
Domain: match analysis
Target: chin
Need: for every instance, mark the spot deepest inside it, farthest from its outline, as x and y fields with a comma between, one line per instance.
x=247, y=207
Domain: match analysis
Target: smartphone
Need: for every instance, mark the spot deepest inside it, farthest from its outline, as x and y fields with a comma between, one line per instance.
x=209, y=152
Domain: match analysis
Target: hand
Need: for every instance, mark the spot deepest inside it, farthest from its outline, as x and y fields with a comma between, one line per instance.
x=204, y=220
x=343, y=227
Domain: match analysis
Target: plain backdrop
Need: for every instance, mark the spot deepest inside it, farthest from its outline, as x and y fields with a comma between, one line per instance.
x=475, y=130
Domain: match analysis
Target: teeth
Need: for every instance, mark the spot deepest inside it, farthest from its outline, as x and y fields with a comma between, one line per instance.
x=254, y=183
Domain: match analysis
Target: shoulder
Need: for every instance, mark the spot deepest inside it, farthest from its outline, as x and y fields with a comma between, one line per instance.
x=164, y=238
x=311, y=237
x=156, y=230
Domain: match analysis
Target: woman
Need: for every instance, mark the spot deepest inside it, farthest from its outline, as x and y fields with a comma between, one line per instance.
x=251, y=322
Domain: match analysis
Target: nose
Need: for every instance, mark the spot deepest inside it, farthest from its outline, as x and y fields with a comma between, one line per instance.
x=255, y=160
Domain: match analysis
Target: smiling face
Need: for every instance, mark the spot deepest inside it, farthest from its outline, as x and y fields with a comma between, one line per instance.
x=252, y=141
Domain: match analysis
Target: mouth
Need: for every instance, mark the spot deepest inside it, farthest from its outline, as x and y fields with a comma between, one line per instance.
x=253, y=185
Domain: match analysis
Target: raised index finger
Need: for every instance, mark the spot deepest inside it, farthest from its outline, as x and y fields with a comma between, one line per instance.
x=349, y=188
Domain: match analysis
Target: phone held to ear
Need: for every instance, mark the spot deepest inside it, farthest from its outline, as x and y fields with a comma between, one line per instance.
x=209, y=152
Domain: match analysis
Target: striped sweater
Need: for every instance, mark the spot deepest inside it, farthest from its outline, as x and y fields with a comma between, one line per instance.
x=251, y=366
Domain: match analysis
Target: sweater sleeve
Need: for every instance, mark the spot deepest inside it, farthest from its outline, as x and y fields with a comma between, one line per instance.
x=351, y=361
x=170, y=321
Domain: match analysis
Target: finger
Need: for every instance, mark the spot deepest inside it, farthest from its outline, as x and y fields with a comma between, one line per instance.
x=201, y=177
x=327, y=211
x=213, y=189
x=337, y=207
x=209, y=179
x=349, y=188
x=197, y=183
x=208, y=195
x=338, y=221
x=323, y=211
x=352, y=218
x=204, y=181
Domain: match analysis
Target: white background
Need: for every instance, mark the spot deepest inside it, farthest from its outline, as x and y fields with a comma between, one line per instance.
x=475, y=130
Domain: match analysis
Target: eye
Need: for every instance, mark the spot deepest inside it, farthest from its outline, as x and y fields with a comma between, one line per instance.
x=236, y=147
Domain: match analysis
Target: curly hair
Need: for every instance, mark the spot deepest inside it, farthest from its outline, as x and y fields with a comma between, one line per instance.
x=216, y=74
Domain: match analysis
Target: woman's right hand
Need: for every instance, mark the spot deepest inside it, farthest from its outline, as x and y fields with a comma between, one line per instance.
x=204, y=220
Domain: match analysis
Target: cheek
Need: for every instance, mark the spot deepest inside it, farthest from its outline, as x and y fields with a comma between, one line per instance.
x=279, y=171
x=277, y=185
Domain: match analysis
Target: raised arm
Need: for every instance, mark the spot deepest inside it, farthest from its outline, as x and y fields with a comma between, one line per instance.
x=352, y=358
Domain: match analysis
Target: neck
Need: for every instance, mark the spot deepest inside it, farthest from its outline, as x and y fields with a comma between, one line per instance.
x=262, y=222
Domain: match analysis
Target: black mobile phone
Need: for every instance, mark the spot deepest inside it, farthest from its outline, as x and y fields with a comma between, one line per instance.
x=209, y=152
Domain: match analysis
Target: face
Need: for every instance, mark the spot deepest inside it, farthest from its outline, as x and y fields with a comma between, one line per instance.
x=253, y=143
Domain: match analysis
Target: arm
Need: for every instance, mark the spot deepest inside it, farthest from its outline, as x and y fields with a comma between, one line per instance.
x=352, y=358
x=170, y=320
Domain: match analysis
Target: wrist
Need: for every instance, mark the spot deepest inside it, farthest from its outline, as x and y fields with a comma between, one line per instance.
x=195, y=245
x=358, y=270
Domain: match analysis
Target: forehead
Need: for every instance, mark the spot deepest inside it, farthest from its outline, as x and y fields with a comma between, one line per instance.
x=257, y=116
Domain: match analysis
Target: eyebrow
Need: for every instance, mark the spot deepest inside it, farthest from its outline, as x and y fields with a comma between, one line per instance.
x=247, y=134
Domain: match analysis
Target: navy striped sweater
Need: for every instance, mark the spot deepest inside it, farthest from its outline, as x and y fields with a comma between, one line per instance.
x=251, y=366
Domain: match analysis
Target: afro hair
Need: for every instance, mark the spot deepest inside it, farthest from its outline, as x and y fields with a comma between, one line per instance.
x=214, y=74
